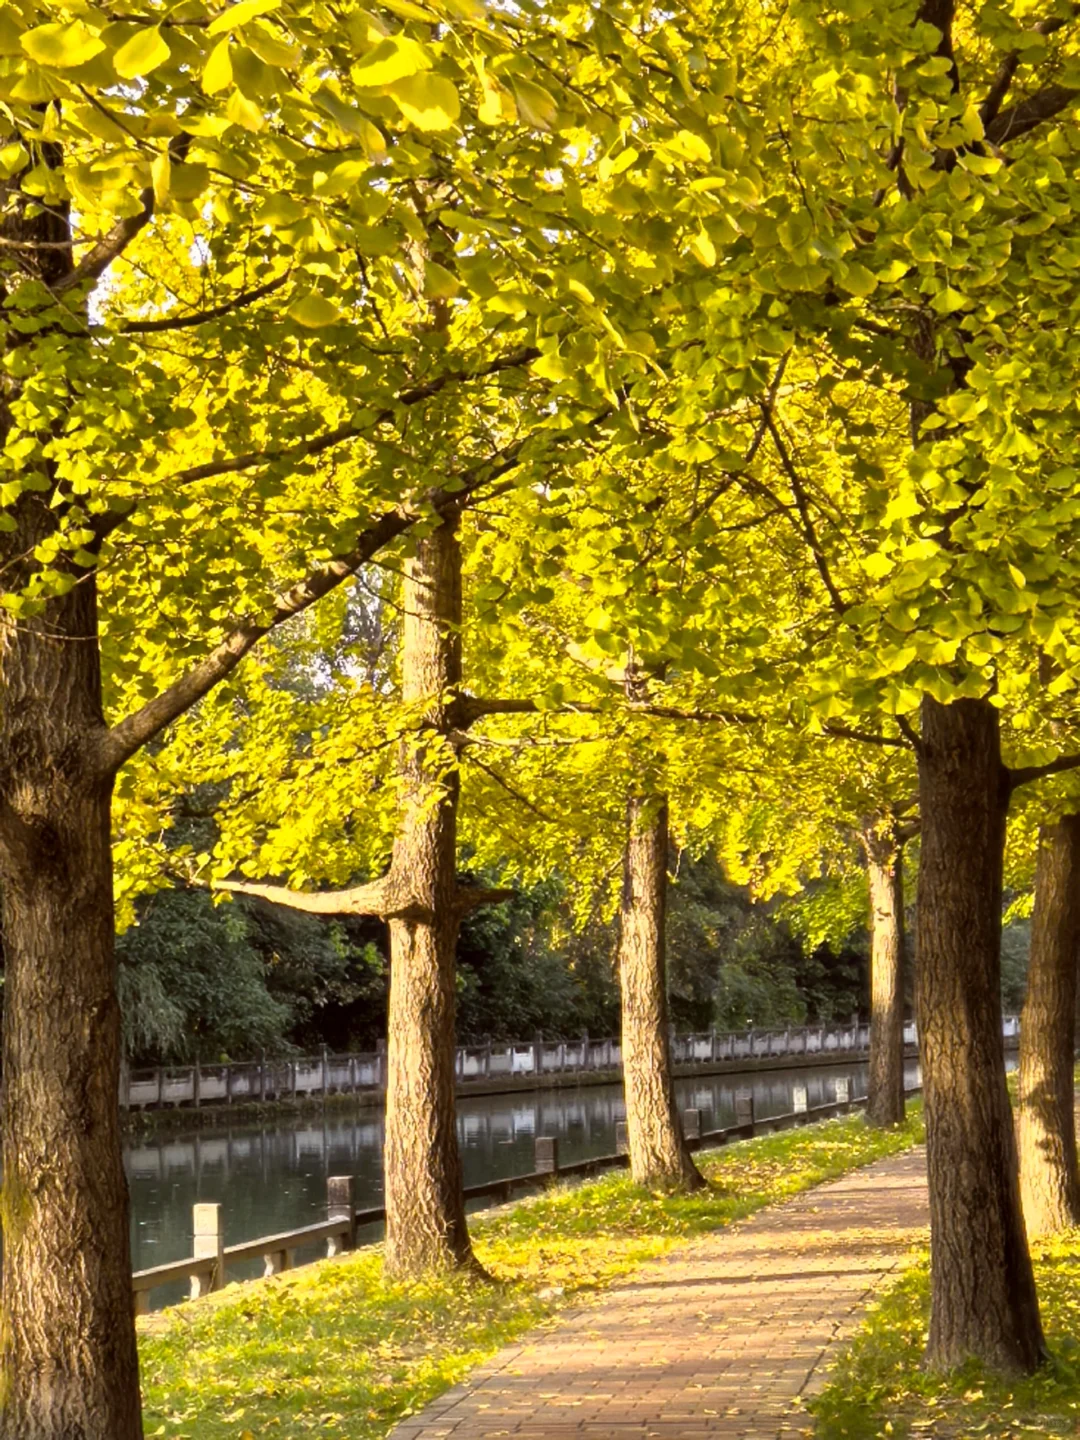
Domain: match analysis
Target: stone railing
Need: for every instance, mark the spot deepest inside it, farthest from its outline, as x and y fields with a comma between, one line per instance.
x=326, y=1074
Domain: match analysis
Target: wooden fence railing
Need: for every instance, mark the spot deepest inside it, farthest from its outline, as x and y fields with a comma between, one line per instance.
x=205, y=1269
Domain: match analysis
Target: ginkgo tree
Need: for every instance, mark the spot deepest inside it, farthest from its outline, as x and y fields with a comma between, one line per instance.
x=219, y=226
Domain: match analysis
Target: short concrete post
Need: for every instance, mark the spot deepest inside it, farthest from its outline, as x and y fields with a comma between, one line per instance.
x=799, y=1099
x=142, y=1302
x=340, y=1205
x=547, y=1155
x=622, y=1138
x=692, y=1124
x=843, y=1090
x=209, y=1245
x=274, y=1261
x=744, y=1107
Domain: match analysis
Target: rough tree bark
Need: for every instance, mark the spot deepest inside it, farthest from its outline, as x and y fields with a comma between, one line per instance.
x=885, y=876
x=421, y=899
x=983, y=1301
x=69, y=1362
x=68, y=1366
x=659, y=1156
x=425, y=1211
x=1046, y=1128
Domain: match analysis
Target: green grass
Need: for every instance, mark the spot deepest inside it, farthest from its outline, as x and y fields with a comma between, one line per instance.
x=879, y=1388
x=335, y=1350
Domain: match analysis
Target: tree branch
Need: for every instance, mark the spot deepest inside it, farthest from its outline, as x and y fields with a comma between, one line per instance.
x=1028, y=114
x=846, y=732
x=320, y=443
x=1002, y=81
x=473, y=897
x=371, y=899
x=1027, y=773
x=383, y=898
x=802, y=505
x=113, y=244
x=131, y=733
x=200, y=317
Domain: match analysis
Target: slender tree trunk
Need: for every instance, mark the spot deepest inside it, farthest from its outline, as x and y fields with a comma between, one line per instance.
x=69, y=1368
x=425, y=1209
x=885, y=873
x=983, y=1301
x=1049, y=1183
x=659, y=1156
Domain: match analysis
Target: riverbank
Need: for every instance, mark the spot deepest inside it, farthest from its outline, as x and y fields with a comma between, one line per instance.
x=335, y=1349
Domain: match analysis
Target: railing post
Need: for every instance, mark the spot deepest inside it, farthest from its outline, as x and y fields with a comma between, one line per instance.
x=538, y=1053
x=228, y=1084
x=125, y=1084
x=799, y=1099
x=547, y=1155
x=622, y=1138
x=744, y=1107
x=160, y=1087
x=692, y=1124
x=713, y=1039
x=262, y=1077
x=325, y=1073
x=209, y=1245
x=340, y=1205
x=196, y=1085
x=274, y=1261
x=142, y=1302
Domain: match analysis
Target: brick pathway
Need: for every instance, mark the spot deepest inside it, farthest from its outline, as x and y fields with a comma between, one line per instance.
x=715, y=1341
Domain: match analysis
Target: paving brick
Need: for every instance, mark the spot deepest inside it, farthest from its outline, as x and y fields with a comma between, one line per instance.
x=721, y=1339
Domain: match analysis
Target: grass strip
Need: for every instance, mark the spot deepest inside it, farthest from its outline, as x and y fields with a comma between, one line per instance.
x=880, y=1389
x=334, y=1349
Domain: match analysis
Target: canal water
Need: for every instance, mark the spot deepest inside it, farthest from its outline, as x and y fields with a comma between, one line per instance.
x=271, y=1177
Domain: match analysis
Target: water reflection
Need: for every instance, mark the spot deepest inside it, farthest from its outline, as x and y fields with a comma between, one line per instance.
x=272, y=1177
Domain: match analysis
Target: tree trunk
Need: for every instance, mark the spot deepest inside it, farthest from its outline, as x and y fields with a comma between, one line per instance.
x=69, y=1367
x=659, y=1156
x=983, y=1301
x=425, y=1209
x=1049, y=1183
x=885, y=873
